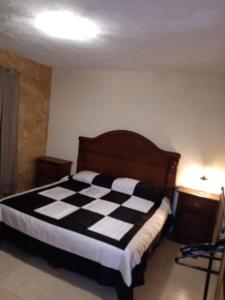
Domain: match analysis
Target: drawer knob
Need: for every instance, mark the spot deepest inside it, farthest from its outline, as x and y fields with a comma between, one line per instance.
x=197, y=204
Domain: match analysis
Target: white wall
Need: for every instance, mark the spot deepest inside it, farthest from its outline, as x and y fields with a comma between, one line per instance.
x=181, y=112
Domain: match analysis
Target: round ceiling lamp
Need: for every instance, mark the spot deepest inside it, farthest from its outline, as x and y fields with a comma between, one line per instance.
x=66, y=25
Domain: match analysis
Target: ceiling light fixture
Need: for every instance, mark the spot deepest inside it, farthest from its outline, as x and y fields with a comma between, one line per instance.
x=66, y=25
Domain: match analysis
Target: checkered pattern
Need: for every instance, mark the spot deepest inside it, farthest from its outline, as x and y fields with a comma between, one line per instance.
x=97, y=207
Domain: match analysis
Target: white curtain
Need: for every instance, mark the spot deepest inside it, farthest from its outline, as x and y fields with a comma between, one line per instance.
x=9, y=87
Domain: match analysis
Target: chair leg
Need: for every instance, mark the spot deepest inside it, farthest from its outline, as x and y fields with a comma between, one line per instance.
x=208, y=277
x=223, y=287
x=220, y=279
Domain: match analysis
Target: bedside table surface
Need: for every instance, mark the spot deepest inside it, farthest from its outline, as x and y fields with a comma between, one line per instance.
x=54, y=160
x=198, y=193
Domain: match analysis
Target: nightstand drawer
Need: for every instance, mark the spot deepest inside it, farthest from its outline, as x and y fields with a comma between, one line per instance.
x=43, y=180
x=197, y=204
x=196, y=216
x=192, y=227
x=47, y=169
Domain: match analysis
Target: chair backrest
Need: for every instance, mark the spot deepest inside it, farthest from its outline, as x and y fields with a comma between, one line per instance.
x=219, y=228
x=220, y=279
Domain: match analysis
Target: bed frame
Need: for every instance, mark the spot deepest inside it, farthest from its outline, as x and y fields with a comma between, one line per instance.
x=122, y=154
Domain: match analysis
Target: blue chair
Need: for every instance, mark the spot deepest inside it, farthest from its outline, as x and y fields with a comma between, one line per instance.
x=207, y=251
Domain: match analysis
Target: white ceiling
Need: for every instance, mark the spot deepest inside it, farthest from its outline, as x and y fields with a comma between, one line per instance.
x=136, y=34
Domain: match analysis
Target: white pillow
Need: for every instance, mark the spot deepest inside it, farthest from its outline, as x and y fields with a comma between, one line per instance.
x=85, y=176
x=124, y=185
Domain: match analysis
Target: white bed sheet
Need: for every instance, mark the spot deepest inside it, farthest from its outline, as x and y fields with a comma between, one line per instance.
x=87, y=247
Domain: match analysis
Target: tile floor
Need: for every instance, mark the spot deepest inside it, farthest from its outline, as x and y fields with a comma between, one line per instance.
x=25, y=277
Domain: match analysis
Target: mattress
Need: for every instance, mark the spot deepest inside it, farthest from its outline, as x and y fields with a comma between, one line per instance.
x=122, y=217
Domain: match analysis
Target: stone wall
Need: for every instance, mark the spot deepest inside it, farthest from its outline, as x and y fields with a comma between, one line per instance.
x=34, y=95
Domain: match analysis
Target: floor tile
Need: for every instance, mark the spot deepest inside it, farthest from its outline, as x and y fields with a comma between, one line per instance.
x=65, y=290
x=27, y=281
x=80, y=285
x=5, y=295
x=8, y=264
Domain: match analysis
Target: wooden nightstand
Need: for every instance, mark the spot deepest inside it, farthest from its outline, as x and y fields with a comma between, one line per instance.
x=50, y=169
x=197, y=216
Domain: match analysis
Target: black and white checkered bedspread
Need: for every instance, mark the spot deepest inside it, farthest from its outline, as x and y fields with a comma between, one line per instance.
x=108, y=209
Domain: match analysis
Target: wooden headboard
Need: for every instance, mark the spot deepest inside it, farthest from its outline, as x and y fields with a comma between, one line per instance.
x=123, y=153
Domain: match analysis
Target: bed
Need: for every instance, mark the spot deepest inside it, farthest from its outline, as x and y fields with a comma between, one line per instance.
x=104, y=221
